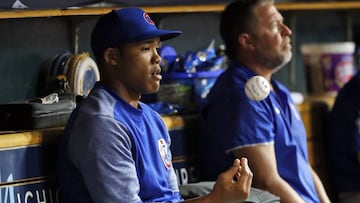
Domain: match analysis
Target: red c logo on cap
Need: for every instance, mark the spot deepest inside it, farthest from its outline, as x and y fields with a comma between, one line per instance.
x=148, y=19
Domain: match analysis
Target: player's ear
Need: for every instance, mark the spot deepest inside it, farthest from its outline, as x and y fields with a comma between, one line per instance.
x=246, y=41
x=111, y=56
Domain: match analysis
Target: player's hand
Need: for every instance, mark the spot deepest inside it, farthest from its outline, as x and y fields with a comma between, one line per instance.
x=234, y=184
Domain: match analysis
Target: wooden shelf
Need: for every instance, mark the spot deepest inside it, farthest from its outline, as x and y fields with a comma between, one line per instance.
x=86, y=11
x=27, y=13
x=331, y=5
x=29, y=138
x=14, y=139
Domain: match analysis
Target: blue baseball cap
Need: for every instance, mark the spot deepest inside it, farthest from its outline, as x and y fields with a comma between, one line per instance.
x=125, y=25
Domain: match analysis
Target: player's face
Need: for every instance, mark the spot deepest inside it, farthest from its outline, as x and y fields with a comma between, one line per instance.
x=140, y=66
x=272, y=37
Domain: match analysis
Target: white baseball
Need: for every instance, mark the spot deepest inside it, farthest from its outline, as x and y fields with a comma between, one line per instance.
x=257, y=88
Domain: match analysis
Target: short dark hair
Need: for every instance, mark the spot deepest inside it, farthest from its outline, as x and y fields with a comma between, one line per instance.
x=237, y=18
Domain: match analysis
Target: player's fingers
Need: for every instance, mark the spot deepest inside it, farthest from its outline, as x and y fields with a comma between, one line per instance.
x=246, y=174
x=248, y=171
x=232, y=171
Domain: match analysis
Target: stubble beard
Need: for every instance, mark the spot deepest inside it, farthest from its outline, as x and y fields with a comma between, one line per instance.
x=275, y=63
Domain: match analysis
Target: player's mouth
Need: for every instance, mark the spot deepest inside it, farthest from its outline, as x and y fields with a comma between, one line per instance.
x=156, y=74
x=287, y=44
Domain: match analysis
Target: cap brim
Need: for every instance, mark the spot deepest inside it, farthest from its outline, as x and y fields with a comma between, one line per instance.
x=169, y=34
x=162, y=34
